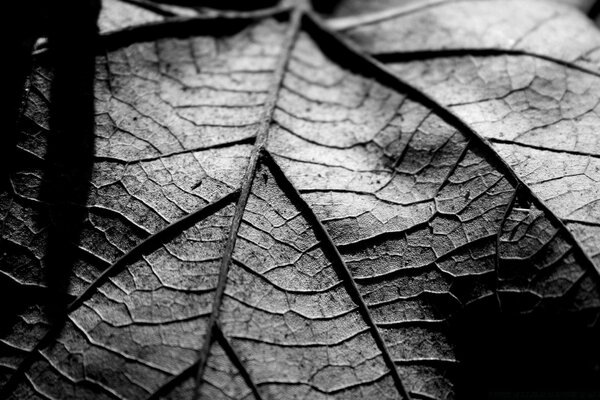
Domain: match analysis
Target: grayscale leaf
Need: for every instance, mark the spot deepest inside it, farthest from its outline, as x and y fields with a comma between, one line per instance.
x=273, y=214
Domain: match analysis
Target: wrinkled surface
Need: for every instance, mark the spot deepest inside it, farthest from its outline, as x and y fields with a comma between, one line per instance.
x=540, y=114
x=276, y=210
x=513, y=25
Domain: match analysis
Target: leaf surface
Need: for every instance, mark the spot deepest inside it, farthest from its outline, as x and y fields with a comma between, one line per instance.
x=537, y=107
x=272, y=215
x=508, y=26
x=345, y=8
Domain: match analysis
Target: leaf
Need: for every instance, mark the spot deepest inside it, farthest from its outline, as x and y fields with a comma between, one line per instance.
x=518, y=27
x=538, y=109
x=117, y=14
x=344, y=8
x=272, y=214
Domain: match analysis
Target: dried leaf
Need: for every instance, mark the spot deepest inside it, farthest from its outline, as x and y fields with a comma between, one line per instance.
x=271, y=214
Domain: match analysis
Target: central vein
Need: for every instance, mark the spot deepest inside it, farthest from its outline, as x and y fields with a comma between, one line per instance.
x=259, y=146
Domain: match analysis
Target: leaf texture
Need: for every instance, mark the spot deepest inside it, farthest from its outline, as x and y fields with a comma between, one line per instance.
x=273, y=215
x=346, y=8
x=118, y=15
x=517, y=26
x=535, y=106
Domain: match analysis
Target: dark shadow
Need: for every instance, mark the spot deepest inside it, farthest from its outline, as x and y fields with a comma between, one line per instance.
x=538, y=356
x=594, y=10
x=66, y=168
x=72, y=40
x=325, y=7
